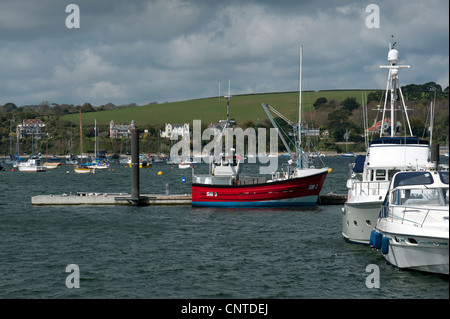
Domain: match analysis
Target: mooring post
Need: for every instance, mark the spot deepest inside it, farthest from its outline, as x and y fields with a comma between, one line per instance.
x=134, y=166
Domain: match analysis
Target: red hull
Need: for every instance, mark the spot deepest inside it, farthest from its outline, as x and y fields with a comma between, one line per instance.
x=300, y=191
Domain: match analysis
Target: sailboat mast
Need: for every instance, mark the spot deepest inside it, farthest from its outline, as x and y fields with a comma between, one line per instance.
x=81, y=142
x=300, y=101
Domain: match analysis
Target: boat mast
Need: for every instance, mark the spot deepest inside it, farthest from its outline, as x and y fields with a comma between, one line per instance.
x=81, y=142
x=300, y=101
x=95, y=139
x=300, y=162
x=392, y=85
x=228, y=97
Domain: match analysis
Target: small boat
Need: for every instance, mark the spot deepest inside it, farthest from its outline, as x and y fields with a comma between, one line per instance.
x=84, y=170
x=348, y=154
x=72, y=160
x=81, y=169
x=412, y=228
x=52, y=165
x=33, y=164
x=185, y=165
x=144, y=161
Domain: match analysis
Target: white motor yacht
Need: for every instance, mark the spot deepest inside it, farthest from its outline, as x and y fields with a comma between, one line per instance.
x=412, y=230
x=33, y=164
x=393, y=151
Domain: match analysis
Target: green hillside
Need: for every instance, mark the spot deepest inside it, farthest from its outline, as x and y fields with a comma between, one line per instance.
x=242, y=108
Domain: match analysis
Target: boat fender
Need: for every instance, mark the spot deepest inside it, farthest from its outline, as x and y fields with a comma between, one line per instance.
x=372, y=237
x=377, y=240
x=385, y=246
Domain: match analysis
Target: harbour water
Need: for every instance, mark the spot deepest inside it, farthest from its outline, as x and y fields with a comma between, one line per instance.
x=180, y=252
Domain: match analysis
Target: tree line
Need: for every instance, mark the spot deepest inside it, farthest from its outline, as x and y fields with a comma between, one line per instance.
x=332, y=117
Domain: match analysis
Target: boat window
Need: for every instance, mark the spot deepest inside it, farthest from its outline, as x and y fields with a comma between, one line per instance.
x=444, y=196
x=413, y=178
x=397, y=197
x=444, y=177
x=380, y=175
x=392, y=173
x=420, y=196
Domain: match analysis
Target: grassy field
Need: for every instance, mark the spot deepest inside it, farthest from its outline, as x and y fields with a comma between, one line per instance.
x=242, y=108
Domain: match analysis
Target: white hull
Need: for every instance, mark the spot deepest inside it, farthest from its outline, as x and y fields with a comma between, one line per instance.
x=84, y=170
x=358, y=220
x=418, y=253
x=32, y=165
x=52, y=165
x=32, y=169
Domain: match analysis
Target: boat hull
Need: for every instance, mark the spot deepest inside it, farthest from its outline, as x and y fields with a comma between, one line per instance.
x=294, y=192
x=32, y=169
x=358, y=220
x=84, y=170
x=428, y=254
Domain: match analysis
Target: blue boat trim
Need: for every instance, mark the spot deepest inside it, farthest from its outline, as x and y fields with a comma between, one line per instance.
x=303, y=202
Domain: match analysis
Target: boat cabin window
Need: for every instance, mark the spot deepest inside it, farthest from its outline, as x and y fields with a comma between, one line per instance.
x=380, y=175
x=392, y=173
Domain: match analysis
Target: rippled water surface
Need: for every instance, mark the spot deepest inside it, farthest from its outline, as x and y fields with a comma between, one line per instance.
x=180, y=251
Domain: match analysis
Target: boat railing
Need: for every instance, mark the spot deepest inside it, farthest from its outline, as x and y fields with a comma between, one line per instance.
x=379, y=188
x=417, y=215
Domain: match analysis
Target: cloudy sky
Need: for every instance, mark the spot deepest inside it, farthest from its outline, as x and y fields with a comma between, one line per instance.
x=171, y=50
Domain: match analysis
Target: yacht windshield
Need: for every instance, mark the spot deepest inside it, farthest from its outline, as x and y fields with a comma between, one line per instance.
x=444, y=177
x=413, y=178
x=421, y=196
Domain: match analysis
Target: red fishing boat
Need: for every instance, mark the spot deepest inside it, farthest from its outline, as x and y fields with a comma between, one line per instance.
x=295, y=185
x=226, y=187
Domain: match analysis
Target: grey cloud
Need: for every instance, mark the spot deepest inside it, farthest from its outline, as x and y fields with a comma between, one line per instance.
x=166, y=50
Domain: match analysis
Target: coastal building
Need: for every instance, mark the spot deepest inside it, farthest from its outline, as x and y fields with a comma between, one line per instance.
x=173, y=131
x=118, y=131
x=31, y=127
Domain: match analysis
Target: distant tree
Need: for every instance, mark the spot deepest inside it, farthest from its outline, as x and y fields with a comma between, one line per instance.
x=338, y=122
x=418, y=127
x=8, y=107
x=320, y=102
x=247, y=124
x=350, y=104
x=87, y=107
x=374, y=96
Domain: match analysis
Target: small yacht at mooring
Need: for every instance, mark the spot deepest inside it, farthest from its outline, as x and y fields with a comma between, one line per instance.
x=412, y=230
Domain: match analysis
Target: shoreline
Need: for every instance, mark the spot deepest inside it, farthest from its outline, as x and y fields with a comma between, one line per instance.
x=442, y=152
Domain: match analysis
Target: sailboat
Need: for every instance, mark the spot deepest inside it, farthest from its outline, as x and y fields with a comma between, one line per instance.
x=225, y=186
x=185, y=163
x=347, y=153
x=370, y=175
x=73, y=158
x=53, y=162
x=80, y=169
x=98, y=163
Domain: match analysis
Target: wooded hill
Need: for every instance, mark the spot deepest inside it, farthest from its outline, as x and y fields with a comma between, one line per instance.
x=335, y=111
